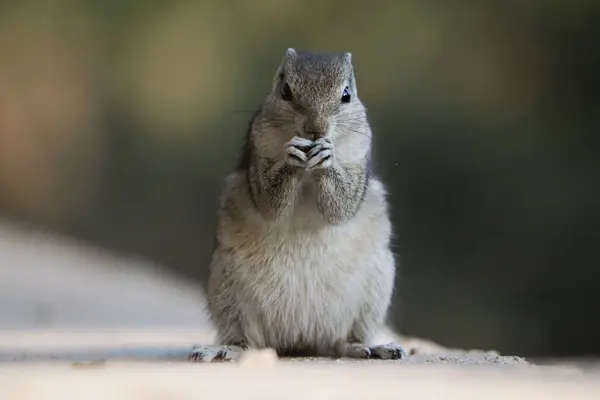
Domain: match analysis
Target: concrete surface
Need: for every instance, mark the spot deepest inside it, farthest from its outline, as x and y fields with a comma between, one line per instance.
x=78, y=322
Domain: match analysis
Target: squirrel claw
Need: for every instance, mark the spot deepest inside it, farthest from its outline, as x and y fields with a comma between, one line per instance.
x=321, y=155
x=390, y=351
x=214, y=353
x=295, y=155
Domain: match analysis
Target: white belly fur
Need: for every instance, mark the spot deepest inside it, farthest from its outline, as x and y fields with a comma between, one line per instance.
x=309, y=292
x=304, y=287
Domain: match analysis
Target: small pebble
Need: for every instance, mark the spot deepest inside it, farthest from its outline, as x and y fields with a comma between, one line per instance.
x=259, y=358
x=91, y=364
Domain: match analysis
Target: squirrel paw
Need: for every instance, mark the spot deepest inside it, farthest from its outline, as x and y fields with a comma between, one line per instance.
x=321, y=155
x=295, y=151
x=390, y=351
x=215, y=353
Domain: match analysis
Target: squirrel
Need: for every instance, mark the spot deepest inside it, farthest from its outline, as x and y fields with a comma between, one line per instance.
x=303, y=262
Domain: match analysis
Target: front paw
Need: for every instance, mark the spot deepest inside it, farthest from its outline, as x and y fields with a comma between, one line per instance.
x=295, y=151
x=321, y=155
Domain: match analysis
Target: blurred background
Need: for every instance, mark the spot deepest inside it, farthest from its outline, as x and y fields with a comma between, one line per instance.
x=119, y=121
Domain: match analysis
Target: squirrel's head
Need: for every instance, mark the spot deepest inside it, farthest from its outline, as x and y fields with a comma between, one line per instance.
x=314, y=95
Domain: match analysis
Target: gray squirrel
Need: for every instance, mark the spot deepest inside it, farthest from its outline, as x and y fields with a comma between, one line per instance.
x=302, y=262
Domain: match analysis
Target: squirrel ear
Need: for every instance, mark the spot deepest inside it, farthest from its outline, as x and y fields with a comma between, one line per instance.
x=348, y=57
x=290, y=52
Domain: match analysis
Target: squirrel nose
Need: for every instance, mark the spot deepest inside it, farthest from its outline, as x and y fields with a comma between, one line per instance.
x=316, y=127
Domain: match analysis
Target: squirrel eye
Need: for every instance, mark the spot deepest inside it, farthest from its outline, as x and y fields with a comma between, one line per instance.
x=346, y=95
x=286, y=93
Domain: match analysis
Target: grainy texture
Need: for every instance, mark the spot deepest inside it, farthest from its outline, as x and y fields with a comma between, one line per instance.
x=299, y=381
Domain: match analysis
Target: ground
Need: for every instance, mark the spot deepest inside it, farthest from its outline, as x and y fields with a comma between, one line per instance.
x=76, y=322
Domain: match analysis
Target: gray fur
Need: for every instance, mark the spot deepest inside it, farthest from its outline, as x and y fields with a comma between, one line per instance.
x=303, y=262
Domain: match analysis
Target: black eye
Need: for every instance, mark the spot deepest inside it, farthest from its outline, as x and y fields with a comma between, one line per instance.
x=346, y=95
x=286, y=93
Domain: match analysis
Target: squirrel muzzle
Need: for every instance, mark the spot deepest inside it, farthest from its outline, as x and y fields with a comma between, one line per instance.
x=316, y=127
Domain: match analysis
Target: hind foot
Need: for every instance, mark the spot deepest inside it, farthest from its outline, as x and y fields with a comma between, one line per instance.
x=390, y=351
x=215, y=353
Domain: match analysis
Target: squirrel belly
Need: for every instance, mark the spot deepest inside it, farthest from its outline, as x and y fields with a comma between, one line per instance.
x=302, y=286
